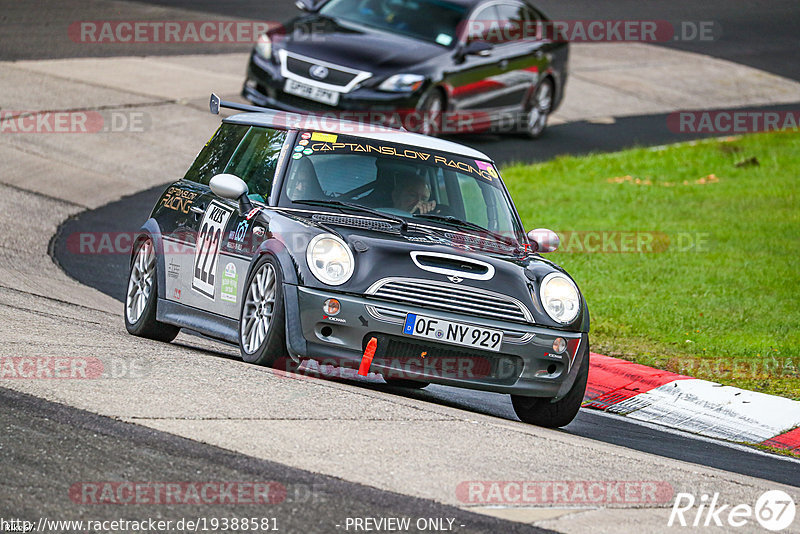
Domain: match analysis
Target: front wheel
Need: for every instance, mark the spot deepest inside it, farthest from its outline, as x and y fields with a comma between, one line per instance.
x=544, y=412
x=539, y=108
x=431, y=109
x=262, y=323
x=142, y=294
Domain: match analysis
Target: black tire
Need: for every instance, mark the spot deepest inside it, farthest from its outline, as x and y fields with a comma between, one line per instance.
x=272, y=348
x=405, y=383
x=146, y=325
x=544, y=412
x=431, y=109
x=538, y=109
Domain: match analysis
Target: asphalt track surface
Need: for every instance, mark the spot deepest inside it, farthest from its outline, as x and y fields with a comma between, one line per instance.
x=86, y=447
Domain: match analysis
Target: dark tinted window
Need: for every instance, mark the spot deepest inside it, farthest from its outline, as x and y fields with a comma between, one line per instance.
x=510, y=22
x=256, y=159
x=215, y=155
x=429, y=20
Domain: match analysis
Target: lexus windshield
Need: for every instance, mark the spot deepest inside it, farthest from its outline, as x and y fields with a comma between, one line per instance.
x=418, y=185
x=428, y=20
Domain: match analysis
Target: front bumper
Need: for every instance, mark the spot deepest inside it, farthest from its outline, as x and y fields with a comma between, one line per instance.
x=264, y=87
x=525, y=365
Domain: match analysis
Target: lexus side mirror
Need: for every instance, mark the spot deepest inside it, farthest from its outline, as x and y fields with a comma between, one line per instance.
x=231, y=187
x=543, y=240
x=478, y=48
x=309, y=6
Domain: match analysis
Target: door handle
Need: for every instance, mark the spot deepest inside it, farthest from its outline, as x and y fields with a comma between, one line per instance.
x=504, y=64
x=198, y=210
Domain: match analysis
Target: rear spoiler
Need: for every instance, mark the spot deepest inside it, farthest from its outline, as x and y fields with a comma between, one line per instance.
x=215, y=104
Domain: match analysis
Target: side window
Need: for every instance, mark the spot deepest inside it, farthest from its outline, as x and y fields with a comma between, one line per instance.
x=215, y=155
x=483, y=26
x=256, y=159
x=510, y=23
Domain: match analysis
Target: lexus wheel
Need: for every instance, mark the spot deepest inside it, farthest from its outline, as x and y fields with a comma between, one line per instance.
x=431, y=110
x=535, y=119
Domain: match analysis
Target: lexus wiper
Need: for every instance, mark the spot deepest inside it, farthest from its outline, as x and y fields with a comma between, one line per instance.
x=354, y=207
x=455, y=221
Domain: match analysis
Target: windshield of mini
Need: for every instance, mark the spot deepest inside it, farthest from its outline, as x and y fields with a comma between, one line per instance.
x=428, y=20
x=420, y=185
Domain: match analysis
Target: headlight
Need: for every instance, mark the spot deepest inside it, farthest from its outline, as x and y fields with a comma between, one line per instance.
x=560, y=298
x=402, y=82
x=330, y=259
x=264, y=46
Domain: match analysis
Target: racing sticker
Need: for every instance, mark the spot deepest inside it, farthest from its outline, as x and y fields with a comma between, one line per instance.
x=230, y=280
x=206, y=254
x=326, y=137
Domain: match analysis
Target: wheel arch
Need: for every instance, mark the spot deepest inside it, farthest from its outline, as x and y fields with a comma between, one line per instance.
x=152, y=230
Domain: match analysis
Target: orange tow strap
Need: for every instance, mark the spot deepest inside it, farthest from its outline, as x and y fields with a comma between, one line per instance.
x=366, y=359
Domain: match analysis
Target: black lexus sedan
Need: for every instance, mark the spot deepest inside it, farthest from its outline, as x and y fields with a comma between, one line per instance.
x=431, y=66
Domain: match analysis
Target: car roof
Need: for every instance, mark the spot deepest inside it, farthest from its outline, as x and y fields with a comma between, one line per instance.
x=296, y=121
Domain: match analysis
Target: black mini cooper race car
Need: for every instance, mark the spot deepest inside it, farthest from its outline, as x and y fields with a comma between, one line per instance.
x=364, y=247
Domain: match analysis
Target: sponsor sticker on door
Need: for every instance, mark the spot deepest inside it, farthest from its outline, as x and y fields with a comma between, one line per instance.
x=230, y=279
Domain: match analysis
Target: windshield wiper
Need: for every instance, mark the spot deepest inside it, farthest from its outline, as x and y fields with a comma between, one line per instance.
x=455, y=221
x=354, y=207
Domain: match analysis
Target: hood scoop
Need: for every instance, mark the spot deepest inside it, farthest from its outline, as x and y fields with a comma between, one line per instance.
x=452, y=265
x=356, y=222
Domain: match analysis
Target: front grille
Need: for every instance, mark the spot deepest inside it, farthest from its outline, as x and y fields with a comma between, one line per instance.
x=408, y=358
x=450, y=297
x=335, y=76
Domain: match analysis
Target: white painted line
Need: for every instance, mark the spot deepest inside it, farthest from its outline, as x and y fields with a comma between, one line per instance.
x=713, y=410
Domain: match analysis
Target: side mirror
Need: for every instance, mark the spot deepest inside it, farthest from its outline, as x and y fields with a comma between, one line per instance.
x=478, y=48
x=309, y=6
x=228, y=186
x=231, y=187
x=544, y=240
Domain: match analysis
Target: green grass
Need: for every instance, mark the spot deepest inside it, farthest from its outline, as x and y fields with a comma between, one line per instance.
x=727, y=310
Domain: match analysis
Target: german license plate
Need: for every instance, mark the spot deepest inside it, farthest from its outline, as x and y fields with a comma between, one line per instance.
x=318, y=94
x=465, y=335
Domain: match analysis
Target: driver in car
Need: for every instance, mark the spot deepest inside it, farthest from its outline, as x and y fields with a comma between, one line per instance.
x=411, y=194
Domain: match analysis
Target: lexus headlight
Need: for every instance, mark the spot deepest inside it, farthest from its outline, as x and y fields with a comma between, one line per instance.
x=330, y=259
x=560, y=298
x=264, y=46
x=402, y=82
